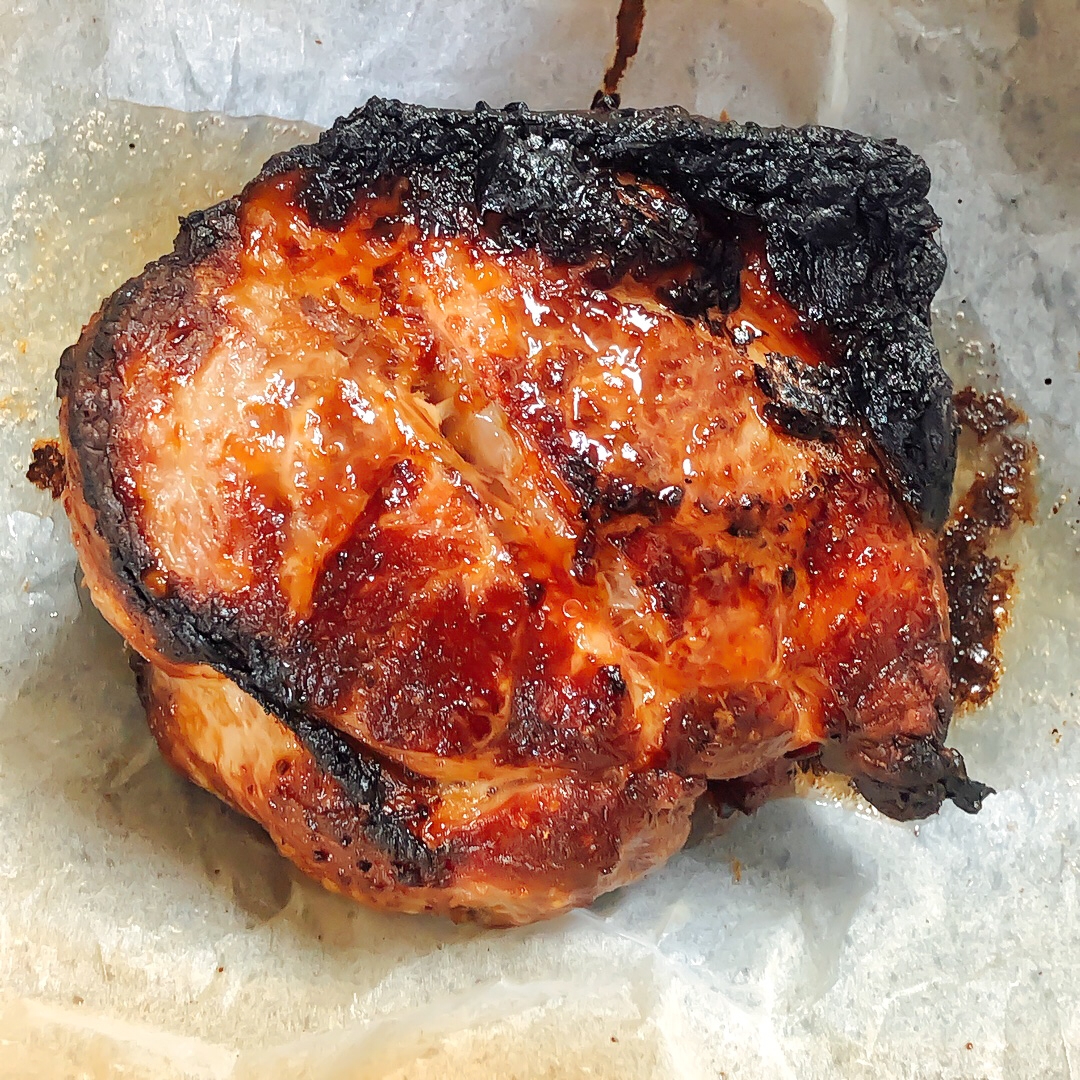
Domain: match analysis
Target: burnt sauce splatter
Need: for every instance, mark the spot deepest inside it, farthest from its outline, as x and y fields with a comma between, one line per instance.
x=980, y=583
x=628, y=26
x=46, y=471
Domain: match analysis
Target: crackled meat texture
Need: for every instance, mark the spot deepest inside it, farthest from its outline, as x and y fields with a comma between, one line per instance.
x=477, y=487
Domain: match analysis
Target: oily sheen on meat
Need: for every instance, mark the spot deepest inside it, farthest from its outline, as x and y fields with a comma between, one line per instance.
x=476, y=488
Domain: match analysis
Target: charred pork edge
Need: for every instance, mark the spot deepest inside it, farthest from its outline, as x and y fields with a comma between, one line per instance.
x=849, y=240
x=848, y=230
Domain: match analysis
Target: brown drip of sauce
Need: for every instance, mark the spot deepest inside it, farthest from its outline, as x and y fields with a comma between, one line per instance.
x=628, y=26
x=979, y=583
x=46, y=471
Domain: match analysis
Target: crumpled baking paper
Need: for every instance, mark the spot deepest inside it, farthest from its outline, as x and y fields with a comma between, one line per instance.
x=145, y=931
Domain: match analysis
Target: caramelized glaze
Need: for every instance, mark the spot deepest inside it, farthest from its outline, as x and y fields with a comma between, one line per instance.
x=529, y=542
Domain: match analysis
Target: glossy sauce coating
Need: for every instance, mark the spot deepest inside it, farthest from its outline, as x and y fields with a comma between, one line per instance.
x=532, y=542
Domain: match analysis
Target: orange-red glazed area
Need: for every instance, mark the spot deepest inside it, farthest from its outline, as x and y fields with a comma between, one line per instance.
x=463, y=570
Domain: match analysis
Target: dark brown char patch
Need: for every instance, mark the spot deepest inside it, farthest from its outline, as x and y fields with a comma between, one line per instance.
x=46, y=471
x=981, y=584
x=745, y=794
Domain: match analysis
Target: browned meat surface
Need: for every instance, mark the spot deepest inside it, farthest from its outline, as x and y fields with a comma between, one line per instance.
x=462, y=566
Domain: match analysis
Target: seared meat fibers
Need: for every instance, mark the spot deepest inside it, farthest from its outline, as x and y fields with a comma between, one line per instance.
x=506, y=848
x=463, y=549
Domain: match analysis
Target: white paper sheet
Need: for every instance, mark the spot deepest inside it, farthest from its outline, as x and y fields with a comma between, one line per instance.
x=144, y=927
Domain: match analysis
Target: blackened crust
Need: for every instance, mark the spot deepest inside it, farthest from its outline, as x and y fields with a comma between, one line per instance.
x=367, y=783
x=849, y=241
x=206, y=635
x=849, y=233
x=89, y=390
x=908, y=779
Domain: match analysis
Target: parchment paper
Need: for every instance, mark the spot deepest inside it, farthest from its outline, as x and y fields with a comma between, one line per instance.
x=145, y=931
